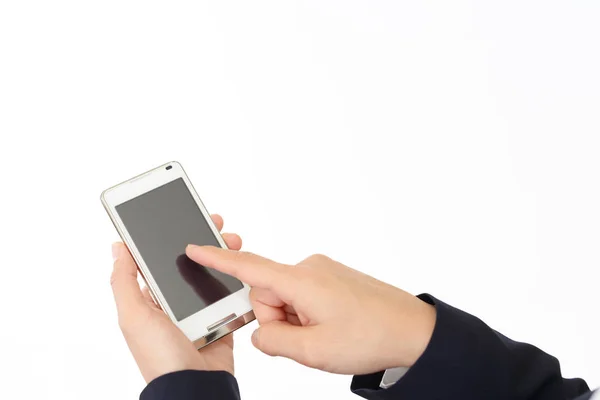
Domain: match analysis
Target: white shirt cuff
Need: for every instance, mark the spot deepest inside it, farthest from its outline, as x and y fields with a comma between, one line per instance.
x=391, y=376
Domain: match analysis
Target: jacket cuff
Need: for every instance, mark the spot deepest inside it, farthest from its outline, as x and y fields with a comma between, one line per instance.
x=455, y=363
x=189, y=384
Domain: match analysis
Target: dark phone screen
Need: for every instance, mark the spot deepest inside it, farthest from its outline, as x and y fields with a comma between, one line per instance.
x=162, y=223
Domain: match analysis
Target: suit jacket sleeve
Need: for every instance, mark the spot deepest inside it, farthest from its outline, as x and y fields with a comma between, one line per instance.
x=465, y=359
x=192, y=385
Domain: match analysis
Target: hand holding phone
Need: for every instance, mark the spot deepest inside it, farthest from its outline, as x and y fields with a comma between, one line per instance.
x=157, y=214
x=157, y=344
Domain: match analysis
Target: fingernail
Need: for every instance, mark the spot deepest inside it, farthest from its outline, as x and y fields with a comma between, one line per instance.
x=191, y=247
x=116, y=250
x=255, y=337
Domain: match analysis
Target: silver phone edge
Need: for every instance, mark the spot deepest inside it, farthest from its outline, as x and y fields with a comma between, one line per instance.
x=211, y=336
x=225, y=329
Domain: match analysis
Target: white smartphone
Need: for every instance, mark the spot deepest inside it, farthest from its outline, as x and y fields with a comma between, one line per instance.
x=157, y=215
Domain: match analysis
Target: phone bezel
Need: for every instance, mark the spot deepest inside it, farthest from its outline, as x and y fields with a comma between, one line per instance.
x=195, y=327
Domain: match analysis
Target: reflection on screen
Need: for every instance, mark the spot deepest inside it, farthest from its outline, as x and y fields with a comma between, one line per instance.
x=162, y=223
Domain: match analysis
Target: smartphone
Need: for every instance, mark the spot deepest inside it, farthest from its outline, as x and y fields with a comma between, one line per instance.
x=157, y=214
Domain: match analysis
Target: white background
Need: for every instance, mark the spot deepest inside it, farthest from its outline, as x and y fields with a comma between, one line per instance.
x=447, y=147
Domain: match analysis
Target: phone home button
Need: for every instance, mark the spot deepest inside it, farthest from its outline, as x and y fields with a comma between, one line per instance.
x=224, y=327
x=220, y=322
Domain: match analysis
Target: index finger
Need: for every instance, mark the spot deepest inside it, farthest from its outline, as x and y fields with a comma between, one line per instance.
x=247, y=267
x=126, y=289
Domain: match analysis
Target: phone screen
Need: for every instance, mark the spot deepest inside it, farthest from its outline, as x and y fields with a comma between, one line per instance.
x=162, y=223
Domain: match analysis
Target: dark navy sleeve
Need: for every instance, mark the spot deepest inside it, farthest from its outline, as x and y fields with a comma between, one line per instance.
x=466, y=359
x=192, y=385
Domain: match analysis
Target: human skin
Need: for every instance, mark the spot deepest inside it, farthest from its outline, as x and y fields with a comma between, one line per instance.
x=145, y=325
x=326, y=315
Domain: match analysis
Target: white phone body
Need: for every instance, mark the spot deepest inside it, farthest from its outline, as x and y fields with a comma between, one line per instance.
x=210, y=322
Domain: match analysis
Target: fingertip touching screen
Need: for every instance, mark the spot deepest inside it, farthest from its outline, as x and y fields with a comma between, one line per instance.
x=162, y=222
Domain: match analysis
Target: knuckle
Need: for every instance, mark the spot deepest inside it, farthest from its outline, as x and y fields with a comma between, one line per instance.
x=123, y=325
x=317, y=259
x=114, y=277
x=253, y=295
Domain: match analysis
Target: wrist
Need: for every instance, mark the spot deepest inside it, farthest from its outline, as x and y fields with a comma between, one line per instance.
x=422, y=330
x=217, y=365
x=220, y=368
x=413, y=330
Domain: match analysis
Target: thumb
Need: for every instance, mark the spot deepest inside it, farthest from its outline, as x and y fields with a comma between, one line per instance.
x=280, y=338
